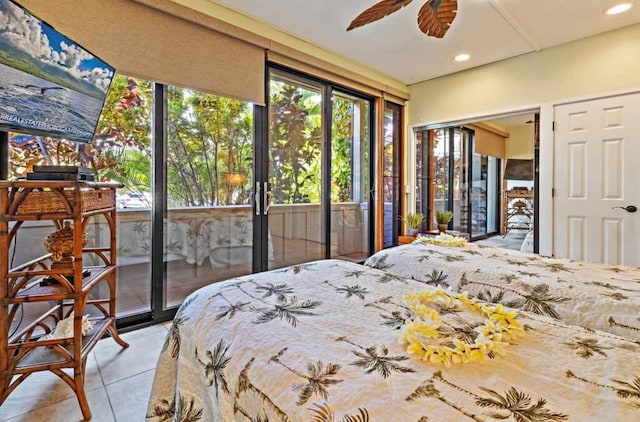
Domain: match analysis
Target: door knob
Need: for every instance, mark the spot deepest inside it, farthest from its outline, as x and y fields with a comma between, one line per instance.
x=267, y=198
x=257, y=198
x=628, y=208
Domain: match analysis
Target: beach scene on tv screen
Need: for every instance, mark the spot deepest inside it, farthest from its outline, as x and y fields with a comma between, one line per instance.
x=48, y=84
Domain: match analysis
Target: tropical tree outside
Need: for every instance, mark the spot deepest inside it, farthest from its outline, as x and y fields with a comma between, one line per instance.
x=341, y=147
x=295, y=141
x=119, y=151
x=210, y=139
x=209, y=149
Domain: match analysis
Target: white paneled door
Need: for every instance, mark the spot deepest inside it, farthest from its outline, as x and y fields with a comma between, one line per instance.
x=597, y=180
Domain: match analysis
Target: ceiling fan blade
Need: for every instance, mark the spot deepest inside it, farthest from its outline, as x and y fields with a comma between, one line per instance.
x=377, y=12
x=436, y=16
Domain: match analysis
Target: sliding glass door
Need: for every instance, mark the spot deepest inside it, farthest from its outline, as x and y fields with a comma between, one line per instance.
x=391, y=172
x=294, y=197
x=208, y=228
x=460, y=141
x=216, y=188
x=314, y=198
x=453, y=177
x=349, y=176
x=478, y=195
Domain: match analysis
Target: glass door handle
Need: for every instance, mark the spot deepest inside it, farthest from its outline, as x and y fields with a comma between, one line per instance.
x=267, y=198
x=257, y=198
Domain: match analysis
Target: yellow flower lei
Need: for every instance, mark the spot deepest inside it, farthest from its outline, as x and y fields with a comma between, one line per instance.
x=443, y=239
x=499, y=327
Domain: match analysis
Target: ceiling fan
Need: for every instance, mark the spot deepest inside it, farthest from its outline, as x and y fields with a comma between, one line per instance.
x=434, y=18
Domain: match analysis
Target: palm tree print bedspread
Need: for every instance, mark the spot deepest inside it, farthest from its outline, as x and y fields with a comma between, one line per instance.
x=319, y=342
x=597, y=296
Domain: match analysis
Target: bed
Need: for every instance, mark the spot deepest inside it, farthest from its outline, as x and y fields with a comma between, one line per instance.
x=323, y=341
x=598, y=296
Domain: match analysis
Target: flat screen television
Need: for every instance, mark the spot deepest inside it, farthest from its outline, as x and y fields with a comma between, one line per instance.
x=49, y=85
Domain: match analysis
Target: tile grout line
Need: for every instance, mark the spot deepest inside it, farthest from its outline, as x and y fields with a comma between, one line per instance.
x=115, y=418
x=102, y=384
x=113, y=413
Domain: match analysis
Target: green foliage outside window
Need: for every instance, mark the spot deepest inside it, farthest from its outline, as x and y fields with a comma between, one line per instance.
x=341, y=144
x=120, y=149
x=210, y=145
x=295, y=141
x=209, y=138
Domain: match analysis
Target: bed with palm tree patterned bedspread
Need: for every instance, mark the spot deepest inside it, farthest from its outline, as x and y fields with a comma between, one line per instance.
x=321, y=342
x=592, y=295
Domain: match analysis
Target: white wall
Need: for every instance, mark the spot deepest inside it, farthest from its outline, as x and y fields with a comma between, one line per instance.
x=589, y=67
x=598, y=66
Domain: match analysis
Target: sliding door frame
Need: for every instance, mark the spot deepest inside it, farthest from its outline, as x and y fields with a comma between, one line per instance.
x=260, y=173
x=397, y=204
x=262, y=158
x=427, y=204
x=158, y=310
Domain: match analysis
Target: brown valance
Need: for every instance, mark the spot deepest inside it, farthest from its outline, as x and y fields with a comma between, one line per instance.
x=489, y=140
x=144, y=41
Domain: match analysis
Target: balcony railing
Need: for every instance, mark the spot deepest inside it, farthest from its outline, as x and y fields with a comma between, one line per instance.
x=206, y=235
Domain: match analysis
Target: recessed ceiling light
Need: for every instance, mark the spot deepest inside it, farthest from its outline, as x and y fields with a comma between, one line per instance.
x=618, y=8
x=462, y=57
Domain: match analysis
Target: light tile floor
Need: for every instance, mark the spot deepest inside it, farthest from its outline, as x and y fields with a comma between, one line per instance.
x=513, y=240
x=118, y=384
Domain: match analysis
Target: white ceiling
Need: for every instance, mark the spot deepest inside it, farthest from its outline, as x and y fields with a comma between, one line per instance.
x=488, y=30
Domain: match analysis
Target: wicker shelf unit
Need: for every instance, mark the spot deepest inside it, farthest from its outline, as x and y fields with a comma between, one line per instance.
x=517, y=210
x=68, y=289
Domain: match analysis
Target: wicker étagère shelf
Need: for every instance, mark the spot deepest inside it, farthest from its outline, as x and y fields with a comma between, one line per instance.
x=69, y=286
